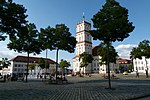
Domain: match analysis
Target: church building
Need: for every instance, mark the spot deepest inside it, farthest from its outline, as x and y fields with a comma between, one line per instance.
x=84, y=44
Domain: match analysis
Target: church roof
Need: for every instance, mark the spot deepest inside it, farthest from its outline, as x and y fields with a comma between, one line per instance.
x=95, y=50
x=75, y=57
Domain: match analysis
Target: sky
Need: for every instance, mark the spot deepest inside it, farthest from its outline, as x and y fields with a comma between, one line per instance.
x=44, y=13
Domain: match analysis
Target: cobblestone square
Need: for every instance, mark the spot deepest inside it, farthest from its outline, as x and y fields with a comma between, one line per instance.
x=78, y=88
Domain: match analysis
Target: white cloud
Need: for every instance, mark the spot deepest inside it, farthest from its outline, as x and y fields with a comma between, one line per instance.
x=124, y=50
x=9, y=54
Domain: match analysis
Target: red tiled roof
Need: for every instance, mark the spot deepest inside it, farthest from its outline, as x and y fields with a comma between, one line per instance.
x=95, y=51
x=75, y=57
x=120, y=60
x=31, y=59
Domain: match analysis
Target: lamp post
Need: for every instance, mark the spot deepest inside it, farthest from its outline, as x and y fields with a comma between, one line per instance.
x=56, y=62
x=137, y=73
x=146, y=69
x=45, y=64
x=1, y=66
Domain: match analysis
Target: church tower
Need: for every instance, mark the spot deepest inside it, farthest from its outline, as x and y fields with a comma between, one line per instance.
x=84, y=44
x=83, y=38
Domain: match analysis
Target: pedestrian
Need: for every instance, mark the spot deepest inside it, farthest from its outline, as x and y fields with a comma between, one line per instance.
x=40, y=76
x=137, y=74
x=146, y=73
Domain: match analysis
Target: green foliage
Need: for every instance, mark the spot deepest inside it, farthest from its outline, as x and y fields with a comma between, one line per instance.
x=42, y=63
x=130, y=67
x=64, y=64
x=32, y=66
x=63, y=39
x=135, y=53
x=85, y=59
x=102, y=51
x=46, y=38
x=26, y=41
x=57, y=38
x=111, y=23
x=12, y=18
x=4, y=63
x=143, y=49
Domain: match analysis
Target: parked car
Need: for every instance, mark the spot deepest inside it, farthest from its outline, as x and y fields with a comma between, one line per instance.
x=125, y=73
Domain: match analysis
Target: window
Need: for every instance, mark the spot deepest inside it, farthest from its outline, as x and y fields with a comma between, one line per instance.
x=15, y=65
x=94, y=64
x=87, y=37
x=15, y=69
x=139, y=62
x=79, y=39
x=97, y=64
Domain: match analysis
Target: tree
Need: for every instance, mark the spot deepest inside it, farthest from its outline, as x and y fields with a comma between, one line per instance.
x=64, y=64
x=135, y=53
x=130, y=68
x=42, y=63
x=102, y=51
x=63, y=41
x=12, y=18
x=32, y=67
x=4, y=63
x=85, y=59
x=27, y=41
x=58, y=38
x=143, y=49
x=46, y=37
x=111, y=24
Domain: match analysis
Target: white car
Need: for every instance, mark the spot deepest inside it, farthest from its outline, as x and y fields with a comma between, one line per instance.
x=125, y=73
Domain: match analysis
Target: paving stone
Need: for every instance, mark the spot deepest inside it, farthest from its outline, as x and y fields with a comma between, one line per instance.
x=87, y=88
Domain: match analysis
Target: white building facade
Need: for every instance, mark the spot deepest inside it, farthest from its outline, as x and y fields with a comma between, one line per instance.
x=84, y=44
x=18, y=67
x=141, y=65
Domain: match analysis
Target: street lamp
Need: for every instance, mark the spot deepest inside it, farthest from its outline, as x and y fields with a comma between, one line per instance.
x=145, y=63
x=146, y=69
x=56, y=61
x=45, y=64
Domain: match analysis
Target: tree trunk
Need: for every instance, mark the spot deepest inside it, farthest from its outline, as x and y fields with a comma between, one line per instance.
x=108, y=65
x=27, y=68
x=62, y=73
x=146, y=69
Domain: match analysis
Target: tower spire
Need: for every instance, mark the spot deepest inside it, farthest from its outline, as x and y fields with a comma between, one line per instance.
x=83, y=17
